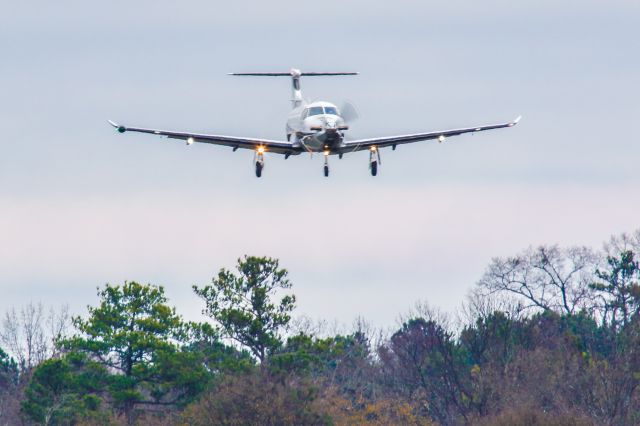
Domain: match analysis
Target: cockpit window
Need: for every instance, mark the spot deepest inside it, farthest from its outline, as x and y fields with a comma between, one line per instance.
x=330, y=110
x=315, y=111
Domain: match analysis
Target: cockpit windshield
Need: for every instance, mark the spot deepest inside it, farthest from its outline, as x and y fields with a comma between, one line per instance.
x=318, y=110
x=315, y=111
x=331, y=110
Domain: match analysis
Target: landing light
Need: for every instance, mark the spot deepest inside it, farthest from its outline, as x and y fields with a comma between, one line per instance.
x=261, y=150
x=441, y=138
x=373, y=149
x=326, y=152
x=189, y=141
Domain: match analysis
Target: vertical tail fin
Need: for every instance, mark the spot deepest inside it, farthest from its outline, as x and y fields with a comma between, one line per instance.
x=295, y=74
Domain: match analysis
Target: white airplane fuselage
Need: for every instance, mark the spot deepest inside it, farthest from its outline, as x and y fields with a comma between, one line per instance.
x=316, y=126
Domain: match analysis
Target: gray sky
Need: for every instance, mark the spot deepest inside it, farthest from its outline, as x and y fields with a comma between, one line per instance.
x=81, y=205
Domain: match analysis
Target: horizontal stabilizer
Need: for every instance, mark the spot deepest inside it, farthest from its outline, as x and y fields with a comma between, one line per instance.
x=295, y=74
x=292, y=73
x=311, y=74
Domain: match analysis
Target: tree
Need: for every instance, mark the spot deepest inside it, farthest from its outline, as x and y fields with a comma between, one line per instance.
x=547, y=278
x=9, y=376
x=136, y=334
x=242, y=304
x=31, y=334
x=65, y=390
x=8, y=370
x=343, y=361
x=620, y=286
x=258, y=398
x=217, y=357
x=422, y=363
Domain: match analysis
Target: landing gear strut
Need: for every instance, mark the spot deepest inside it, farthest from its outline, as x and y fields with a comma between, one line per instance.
x=374, y=159
x=326, y=164
x=259, y=159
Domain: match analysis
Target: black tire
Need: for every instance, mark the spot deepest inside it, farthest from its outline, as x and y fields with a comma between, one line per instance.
x=374, y=168
x=326, y=171
x=258, y=169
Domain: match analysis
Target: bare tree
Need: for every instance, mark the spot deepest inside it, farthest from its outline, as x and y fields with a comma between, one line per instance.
x=480, y=306
x=622, y=243
x=30, y=335
x=547, y=278
x=58, y=324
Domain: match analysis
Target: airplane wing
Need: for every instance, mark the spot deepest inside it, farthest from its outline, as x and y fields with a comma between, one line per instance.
x=279, y=147
x=359, y=145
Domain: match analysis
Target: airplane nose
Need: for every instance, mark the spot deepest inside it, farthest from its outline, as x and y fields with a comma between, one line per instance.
x=331, y=124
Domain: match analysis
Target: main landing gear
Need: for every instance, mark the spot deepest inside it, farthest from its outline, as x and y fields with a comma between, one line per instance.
x=374, y=159
x=259, y=160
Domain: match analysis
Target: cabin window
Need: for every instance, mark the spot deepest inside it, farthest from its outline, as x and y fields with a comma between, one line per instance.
x=315, y=111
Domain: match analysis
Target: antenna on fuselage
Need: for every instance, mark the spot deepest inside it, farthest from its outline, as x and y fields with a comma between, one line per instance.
x=295, y=74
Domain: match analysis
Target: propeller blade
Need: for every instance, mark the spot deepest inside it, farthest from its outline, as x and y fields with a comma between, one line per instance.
x=349, y=112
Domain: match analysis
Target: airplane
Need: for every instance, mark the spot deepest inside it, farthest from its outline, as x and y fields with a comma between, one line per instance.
x=313, y=127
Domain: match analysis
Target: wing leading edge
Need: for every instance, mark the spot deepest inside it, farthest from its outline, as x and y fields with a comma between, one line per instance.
x=362, y=144
x=278, y=147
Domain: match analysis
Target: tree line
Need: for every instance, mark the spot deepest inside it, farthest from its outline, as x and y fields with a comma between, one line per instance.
x=550, y=335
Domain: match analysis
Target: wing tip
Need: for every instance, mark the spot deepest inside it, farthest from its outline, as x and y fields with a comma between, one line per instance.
x=118, y=127
x=516, y=121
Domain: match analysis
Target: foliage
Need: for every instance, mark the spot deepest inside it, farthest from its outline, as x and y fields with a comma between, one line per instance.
x=422, y=363
x=574, y=359
x=65, y=390
x=620, y=288
x=217, y=357
x=9, y=389
x=383, y=411
x=8, y=370
x=258, y=398
x=524, y=416
x=242, y=304
x=134, y=333
x=317, y=356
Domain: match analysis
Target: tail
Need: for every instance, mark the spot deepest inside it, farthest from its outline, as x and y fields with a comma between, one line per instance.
x=296, y=93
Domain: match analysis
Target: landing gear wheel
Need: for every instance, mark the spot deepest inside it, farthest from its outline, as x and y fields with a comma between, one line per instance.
x=326, y=171
x=259, y=167
x=374, y=168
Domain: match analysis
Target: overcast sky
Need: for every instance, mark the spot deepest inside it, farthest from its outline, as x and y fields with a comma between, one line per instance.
x=81, y=205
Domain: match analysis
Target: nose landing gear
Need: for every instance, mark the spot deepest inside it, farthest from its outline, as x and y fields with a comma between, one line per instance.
x=326, y=164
